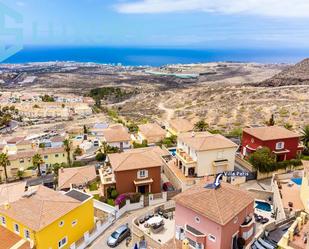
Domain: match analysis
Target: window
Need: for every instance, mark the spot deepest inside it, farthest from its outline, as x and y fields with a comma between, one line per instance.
x=74, y=222
x=212, y=238
x=142, y=173
x=27, y=234
x=57, y=155
x=279, y=145
x=197, y=219
x=3, y=221
x=21, y=160
x=62, y=242
x=248, y=234
x=220, y=154
x=45, y=157
x=16, y=228
x=61, y=223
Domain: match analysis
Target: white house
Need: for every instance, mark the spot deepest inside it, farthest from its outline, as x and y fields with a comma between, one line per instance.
x=202, y=153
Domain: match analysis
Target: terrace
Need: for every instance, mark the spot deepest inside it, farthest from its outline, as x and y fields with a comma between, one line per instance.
x=184, y=156
x=106, y=175
x=155, y=227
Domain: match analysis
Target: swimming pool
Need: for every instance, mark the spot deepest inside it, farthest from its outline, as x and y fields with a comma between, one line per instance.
x=172, y=151
x=263, y=206
x=297, y=181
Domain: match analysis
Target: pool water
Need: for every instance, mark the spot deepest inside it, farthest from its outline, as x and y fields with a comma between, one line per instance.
x=297, y=181
x=173, y=152
x=263, y=206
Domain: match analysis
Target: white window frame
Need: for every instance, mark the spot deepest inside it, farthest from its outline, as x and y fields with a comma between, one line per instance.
x=220, y=154
x=144, y=175
x=278, y=145
x=212, y=238
x=3, y=221
x=60, y=241
x=15, y=225
x=26, y=231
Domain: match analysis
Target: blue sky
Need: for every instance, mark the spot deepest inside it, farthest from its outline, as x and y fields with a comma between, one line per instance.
x=165, y=23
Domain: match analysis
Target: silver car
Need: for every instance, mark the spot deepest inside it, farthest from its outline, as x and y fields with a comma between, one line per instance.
x=119, y=235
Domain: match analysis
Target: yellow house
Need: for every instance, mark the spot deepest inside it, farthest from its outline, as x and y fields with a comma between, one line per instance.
x=22, y=160
x=16, y=144
x=46, y=219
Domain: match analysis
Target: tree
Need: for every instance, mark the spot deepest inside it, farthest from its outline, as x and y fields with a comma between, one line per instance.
x=78, y=151
x=288, y=126
x=37, y=161
x=271, y=121
x=4, y=162
x=67, y=147
x=85, y=129
x=142, y=145
x=201, y=126
x=132, y=127
x=305, y=136
x=101, y=157
x=263, y=160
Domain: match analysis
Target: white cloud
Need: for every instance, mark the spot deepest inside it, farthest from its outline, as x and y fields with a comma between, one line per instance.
x=272, y=8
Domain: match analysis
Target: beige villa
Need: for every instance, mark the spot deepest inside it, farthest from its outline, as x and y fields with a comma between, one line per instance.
x=179, y=125
x=151, y=132
x=200, y=154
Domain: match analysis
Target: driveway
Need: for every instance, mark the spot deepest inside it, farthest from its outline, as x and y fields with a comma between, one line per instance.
x=100, y=243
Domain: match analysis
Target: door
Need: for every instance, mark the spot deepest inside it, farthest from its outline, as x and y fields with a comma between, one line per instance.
x=142, y=189
x=234, y=241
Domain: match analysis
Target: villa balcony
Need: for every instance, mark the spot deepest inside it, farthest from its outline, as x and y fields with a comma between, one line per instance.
x=106, y=176
x=184, y=156
x=219, y=163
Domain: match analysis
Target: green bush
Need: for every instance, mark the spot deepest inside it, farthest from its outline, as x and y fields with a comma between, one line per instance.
x=93, y=186
x=142, y=145
x=111, y=202
x=101, y=157
x=114, y=194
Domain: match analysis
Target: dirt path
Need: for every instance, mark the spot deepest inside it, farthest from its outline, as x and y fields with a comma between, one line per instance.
x=169, y=113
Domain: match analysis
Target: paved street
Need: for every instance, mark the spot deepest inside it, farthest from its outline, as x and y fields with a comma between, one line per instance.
x=100, y=243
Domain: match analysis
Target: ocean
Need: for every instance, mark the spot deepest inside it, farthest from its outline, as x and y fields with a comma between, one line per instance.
x=154, y=56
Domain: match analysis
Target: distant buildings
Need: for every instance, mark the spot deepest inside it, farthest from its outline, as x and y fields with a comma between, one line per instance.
x=135, y=170
x=39, y=217
x=201, y=154
x=214, y=218
x=151, y=132
x=284, y=143
x=117, y=136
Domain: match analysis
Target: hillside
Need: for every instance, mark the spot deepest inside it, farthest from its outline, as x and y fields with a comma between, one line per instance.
x=294, y=75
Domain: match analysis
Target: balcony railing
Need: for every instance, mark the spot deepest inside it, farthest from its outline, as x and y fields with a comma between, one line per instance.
x=184, y=156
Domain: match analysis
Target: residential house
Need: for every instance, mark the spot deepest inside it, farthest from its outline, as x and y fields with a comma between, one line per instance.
x=179, y=125
x=22, y=160
x=43, y=218
x=214, y=218
x=151, y=132
x=304, y=189
x=135, y=170
x=285, y=144
x=75, y=177
x=202, y=153
x=117, y=136
x=15, y=144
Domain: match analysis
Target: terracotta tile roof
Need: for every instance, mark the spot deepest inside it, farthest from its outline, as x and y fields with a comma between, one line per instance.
x=270, y=133
x=137, y=159
x=172, y=244
x=9, y=239
x=15, y=140
x=31, y=153
x=11, y=192
x=79, y=175
x=181, y=125
x=201, y=141
x=152, y=132
x=42, y=208
x=220, y=205
x=116, y=134
x=57, y=139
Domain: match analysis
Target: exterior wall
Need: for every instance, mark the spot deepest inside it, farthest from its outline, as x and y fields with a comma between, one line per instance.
x=125, y=180
x=290, y=144
x=206, y=158
x=85, y=222
x=304, y=191
x=185, y=216
x=52, y=234
x=223, y=234
x=126, y=144
x=234, y=226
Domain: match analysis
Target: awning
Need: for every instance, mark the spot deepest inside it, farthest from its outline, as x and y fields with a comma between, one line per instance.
x=143, y=182
x=250, y=148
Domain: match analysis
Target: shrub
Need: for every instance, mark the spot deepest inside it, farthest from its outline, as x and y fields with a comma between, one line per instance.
x=111, y=202
x=114, y=194
x=101, y=157
x=121, y=199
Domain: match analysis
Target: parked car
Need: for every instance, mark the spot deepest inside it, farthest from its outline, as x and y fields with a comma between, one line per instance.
x=167, y=186
x=120, y=234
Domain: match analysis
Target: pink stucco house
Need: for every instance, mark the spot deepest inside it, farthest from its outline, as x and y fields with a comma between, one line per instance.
x=215, y=218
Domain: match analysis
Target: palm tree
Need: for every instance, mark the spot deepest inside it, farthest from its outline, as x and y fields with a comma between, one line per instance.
x=305, y=136
x=200, y=126
x=4, y=162
x=37, y=161
x=67, y=147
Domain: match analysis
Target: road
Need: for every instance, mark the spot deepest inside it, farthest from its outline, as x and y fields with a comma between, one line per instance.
x=100, y=243
x=169, y=112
